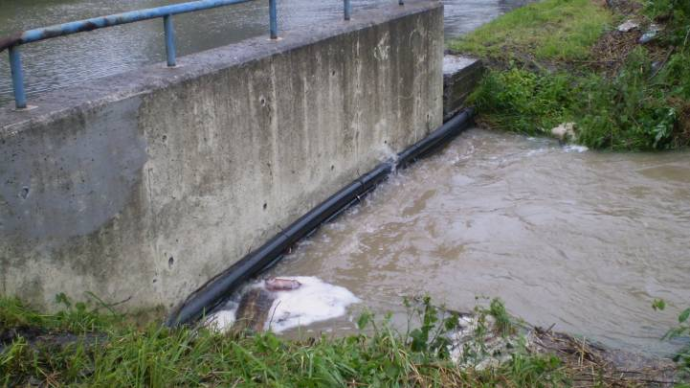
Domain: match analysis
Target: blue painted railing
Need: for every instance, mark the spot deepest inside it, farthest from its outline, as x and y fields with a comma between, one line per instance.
x=166, y=12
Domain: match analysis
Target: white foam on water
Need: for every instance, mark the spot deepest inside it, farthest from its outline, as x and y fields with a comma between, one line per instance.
x=314, y=301
x=221, y=320
x=386, y=153
x=575, y=148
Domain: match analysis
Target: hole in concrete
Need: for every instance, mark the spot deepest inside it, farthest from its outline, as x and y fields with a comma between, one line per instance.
x=24, y=193
x=165, y=137
x=155, y=280
x=333, y=73
x=262, y=101
x=265, y=206
x=332, y=167
x=171, y=261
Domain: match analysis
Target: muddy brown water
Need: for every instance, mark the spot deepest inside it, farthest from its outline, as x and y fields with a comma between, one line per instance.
x=580, y=240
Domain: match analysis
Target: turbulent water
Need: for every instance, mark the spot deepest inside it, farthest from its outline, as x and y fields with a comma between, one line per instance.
x=583, y=240
x=72, y=60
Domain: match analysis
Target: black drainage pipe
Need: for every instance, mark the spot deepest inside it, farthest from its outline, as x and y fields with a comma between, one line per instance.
x=218, y=288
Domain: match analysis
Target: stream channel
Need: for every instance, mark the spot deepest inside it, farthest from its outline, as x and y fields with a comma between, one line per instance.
x=583, y=240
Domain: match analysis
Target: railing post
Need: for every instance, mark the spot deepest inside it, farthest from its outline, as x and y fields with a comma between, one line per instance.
x=348, y=9
x=170, y=41
x=17, y=77
x=273, y=14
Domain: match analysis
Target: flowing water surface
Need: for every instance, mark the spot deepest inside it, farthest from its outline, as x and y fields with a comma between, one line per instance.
x=71, y=60
x=582, y=240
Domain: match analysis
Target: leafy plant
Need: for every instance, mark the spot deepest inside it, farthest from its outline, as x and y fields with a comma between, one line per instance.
x=436, y=324
x=680, y=330
x=502, y=320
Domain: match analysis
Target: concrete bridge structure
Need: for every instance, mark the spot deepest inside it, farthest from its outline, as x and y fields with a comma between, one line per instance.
x=143, y=186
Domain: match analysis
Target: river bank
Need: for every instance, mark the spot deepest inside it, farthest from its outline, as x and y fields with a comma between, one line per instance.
x=613, y=74
x=94, y=346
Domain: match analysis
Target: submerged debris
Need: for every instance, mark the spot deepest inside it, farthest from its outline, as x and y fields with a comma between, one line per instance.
x=279, y=304
x=278, y=284
x=650, y=34
x=253, y=310
x=595, y=364
x=628, y=26
x=478, y=344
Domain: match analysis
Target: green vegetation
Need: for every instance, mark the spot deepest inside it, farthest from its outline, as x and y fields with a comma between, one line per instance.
x=682, y=330
x=676, y=14
x=561, y=61
x=78, y=318
x=111, y=351
x=94, y=346
x=548, y=30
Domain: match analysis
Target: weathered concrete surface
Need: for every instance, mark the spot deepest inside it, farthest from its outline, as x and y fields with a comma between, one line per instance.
x=143, y=186
x=461, y=75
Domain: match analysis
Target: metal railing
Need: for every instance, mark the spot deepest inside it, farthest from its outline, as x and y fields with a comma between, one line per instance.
x=166, y=12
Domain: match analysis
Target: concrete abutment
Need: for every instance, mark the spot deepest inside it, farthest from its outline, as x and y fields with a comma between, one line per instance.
x=143, y=186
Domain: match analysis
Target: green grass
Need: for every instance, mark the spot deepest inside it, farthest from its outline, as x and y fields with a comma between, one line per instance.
x=547, y=30
x=77, y=318
x=127, y=354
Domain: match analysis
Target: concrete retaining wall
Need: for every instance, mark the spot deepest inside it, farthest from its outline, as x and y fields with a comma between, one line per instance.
x=141, y=187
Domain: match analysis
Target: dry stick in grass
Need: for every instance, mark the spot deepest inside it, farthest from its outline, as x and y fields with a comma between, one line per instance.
x=663, y=63
x=270, y=321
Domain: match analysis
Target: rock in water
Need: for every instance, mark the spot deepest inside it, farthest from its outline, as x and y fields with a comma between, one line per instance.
x=565, y=132
x=253, y=310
